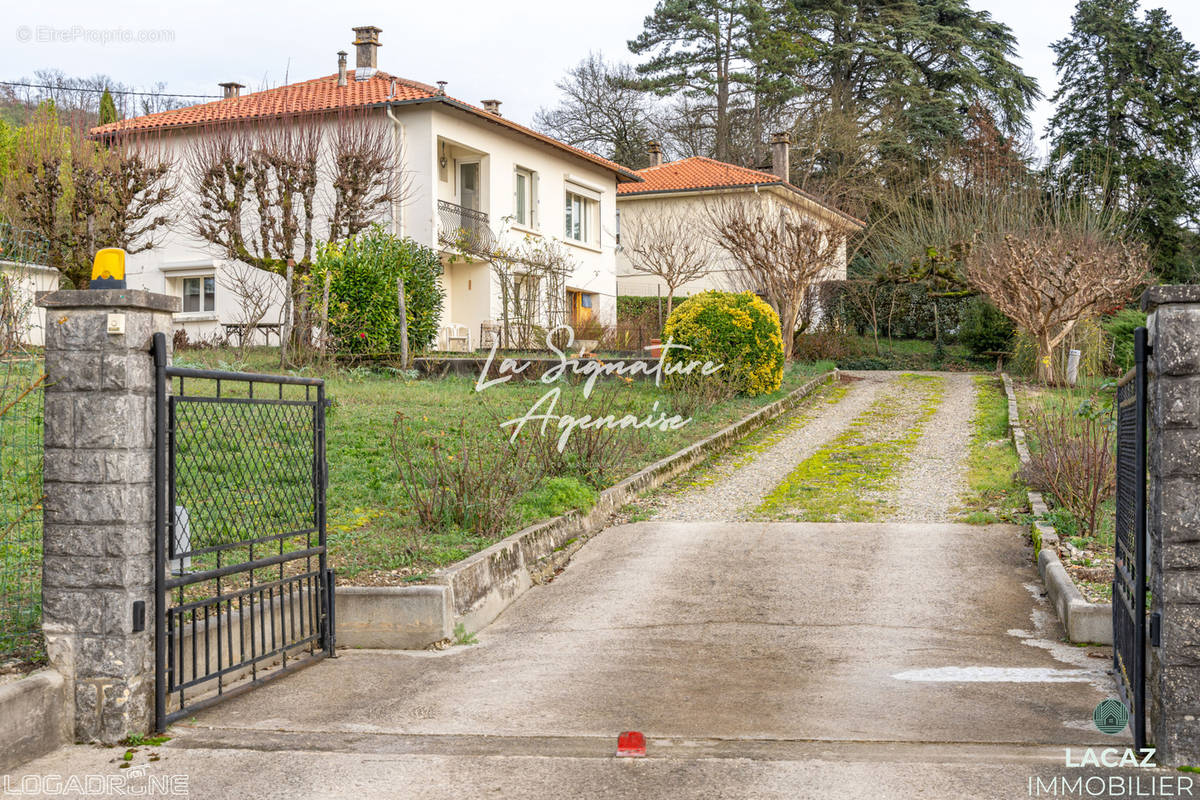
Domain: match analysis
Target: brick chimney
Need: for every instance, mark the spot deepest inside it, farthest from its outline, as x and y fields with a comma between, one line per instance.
x=366, y=44
x=231, y=89
x=780, y=143
x=341, y=67
x=491, y=106
x=655, y=153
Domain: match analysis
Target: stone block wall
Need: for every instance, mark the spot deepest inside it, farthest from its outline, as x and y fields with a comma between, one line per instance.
x=1173, y=520
x=98, y=512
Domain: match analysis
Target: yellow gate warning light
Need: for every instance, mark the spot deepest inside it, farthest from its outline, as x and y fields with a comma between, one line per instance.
x=108, y=269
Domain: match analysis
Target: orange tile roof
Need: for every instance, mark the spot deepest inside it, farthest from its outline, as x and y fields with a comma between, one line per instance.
x=324, y=95
x=699, y=174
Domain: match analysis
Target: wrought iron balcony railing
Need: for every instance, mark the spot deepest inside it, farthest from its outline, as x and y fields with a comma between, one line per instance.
x=465, y=228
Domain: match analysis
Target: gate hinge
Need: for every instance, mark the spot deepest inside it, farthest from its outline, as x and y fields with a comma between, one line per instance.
x=1156, y=629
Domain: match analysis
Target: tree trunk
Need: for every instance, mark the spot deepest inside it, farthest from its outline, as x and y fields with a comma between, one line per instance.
x=1044, y=372
x=403, y=322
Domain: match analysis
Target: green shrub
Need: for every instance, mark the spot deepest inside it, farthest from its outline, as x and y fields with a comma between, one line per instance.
x=738, y=330
x=985, y=328
x=630, y=306
x=1119, y=329
x=364, y=315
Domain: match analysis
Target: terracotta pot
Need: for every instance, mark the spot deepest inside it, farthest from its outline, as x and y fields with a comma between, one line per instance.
x=655, y=349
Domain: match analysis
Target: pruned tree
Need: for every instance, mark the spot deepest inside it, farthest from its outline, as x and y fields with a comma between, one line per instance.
x=80, y=194
x=781, y=250
x=257, y=186
x=1048, y=279
x=668, y=245
x=366, y=174
x=142, y=188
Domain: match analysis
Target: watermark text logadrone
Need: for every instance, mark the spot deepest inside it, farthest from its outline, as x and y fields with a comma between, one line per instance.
x=133, y=783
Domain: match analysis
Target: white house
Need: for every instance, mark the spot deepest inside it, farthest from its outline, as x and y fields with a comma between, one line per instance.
x=464, y=167
x=681, y=190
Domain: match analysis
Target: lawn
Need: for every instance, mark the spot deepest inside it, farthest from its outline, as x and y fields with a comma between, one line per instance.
x=995, y=492
x=374, y=534
x=20, y=512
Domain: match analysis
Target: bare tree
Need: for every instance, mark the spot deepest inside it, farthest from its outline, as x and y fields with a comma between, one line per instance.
x=531, y=273
x=781, y=250
x=1048, y=279
x=257, y=191
x=142, y=188
x=255, y=292
x=603, y=111
x=667, y=244
x=366, y=173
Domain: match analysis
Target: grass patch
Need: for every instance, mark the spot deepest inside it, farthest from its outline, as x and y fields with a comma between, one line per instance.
x=994, y=492
x=555, y=496
x=846, y=480
x=373, y=536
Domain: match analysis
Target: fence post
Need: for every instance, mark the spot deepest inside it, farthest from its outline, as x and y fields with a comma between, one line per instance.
x=98, y=509
x=1173, y=521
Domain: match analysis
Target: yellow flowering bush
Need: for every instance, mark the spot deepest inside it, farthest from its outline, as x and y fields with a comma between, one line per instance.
x=736, y=329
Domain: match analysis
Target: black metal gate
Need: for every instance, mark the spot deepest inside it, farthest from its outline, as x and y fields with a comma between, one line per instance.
x=1129, y=580
x=243, y=590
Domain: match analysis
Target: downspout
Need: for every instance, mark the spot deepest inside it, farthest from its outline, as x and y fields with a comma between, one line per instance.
x=398, y=141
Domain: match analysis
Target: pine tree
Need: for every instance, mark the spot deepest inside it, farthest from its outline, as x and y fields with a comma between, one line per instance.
x=727, y=54
x=1126, y=129
x=108, y=108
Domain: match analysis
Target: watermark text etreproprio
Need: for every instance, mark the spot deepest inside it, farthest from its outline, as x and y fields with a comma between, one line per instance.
x=81, y=34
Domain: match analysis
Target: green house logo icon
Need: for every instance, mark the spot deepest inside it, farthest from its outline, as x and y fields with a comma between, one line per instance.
x=1111, y=716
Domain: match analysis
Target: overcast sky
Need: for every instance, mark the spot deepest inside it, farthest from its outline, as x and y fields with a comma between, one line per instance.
x=484, y=49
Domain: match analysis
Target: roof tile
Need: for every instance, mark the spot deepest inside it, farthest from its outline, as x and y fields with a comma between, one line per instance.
x=324, y=95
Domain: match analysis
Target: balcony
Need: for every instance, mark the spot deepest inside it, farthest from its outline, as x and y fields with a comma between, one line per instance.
x=464, y=228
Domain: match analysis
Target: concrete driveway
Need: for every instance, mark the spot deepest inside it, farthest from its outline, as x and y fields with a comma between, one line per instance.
x=760, y=660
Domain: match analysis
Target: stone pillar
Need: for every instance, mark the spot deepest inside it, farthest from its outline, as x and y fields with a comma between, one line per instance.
x=98, y=511
x=1173, y=520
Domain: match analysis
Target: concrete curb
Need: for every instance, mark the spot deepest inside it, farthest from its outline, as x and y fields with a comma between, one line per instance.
x=1083, y=621
x=474, y=591
x=36, y=718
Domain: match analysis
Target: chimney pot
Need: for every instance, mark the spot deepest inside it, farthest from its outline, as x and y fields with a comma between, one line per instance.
x=366, y=44
x=780, y=144
x=491, y=106
x=441, y=87
x=341, y=67
x=231, y=89
x=656, y=155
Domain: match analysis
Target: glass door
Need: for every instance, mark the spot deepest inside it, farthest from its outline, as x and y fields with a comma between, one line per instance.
x=468, y=184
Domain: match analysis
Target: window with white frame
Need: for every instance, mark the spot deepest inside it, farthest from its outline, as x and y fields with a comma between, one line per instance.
x=199, y=295
x=523, y=198
x=579, y=220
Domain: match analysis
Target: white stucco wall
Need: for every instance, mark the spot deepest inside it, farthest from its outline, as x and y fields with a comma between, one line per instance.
x=691, y=207
x=24, y=281
x=471, y=297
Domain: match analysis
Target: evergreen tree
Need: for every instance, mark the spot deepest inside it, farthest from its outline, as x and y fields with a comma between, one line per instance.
x=108, y=108
x=1126, y=129
x=731, y=55
x=910, y=74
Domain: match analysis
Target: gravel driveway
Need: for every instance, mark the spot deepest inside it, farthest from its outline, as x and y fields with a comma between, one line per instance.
x=927, y=489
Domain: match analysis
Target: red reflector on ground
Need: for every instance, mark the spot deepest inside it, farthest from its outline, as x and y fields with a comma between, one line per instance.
x=631, y=743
